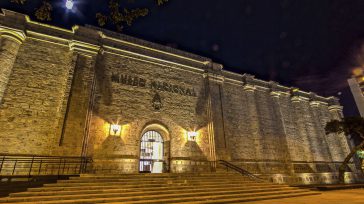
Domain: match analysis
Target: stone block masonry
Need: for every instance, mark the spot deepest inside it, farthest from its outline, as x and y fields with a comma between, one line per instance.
x=61, y=90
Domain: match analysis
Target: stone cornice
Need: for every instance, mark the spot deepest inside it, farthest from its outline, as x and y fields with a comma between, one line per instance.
x=101, y=37
x=149, y=59
x=249, y=87
x=84, y=48
x=278, y=89
x=132, y=41
x=318, y=103
x=214, y=77
x=11, y=33
x=299, y=99
x=89, y=40
x=335, y=108
x=214, y=72
x=275, y=94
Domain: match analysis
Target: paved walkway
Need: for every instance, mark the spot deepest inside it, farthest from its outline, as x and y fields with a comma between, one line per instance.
x=354, y=196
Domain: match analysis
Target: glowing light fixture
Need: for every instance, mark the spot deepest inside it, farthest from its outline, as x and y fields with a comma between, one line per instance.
x=361, y=79
x=69, y=4
x=358, y=71
x=115, y=130
x=192, y=136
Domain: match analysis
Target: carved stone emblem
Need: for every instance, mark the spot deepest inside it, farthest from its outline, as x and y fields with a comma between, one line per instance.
x=157, y=102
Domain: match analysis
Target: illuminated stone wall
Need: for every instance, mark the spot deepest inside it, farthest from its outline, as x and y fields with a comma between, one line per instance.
x=30, y=110
x=9, y=50
x=62, y=89
x=275, y=129
x=131, y=105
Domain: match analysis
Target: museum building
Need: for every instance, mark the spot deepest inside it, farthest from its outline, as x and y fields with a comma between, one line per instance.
x=135, y=106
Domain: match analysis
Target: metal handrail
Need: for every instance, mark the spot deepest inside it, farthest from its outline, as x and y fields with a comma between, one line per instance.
x=13, y=165
x=241, y=170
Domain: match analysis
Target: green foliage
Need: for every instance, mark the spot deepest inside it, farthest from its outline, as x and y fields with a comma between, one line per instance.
x=101, y=19
x=131, y=15
x=44, y=12
x=117, y=15
x=349, y=126
x=353, y=126
x=360, y=154
x=160, y=2
x=18, y=1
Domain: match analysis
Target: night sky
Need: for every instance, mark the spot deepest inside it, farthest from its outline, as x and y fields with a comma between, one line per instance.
x=310, y=44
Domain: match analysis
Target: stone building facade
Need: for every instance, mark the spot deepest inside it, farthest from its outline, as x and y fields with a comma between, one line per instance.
x=63, y=91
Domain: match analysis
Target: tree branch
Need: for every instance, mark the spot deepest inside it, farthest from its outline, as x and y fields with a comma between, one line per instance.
x=119, y=17
x=347, y=159
x=18, y=1
x=44, y=12
x=160, y=2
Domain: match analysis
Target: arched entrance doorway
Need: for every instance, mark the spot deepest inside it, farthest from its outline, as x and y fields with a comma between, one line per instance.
x=151, y=152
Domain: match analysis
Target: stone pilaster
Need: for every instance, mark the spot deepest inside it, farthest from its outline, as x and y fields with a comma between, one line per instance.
x=312, y=130
x=78, y=99
x=10, y=41
x=253, y=117
x=319, y=136
x=281, y=127
x=216, y=127
x=300, y=123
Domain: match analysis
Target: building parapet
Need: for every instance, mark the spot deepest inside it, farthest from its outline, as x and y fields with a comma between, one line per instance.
x=242, y=79
x=94, y=39
x=100, y=37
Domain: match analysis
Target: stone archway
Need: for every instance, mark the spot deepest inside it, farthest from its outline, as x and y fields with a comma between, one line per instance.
x=154, y=151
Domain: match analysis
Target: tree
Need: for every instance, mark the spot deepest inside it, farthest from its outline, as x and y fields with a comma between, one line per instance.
x=353, y=126
x=117, y=15
x=44, y=12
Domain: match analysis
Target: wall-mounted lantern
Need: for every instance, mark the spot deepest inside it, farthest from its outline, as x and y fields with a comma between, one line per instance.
x=115, y=130
x=191, y=136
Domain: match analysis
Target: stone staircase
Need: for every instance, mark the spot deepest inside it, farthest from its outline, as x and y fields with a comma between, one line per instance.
x=220, y=187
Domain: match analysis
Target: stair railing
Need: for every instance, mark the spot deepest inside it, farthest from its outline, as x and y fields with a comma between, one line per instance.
x=241, y=171
x=17, y=165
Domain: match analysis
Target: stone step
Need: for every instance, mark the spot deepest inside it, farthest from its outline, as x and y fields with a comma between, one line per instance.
x=222, y=199
x=130, y=194
x=219, y=200
x=161, y=198
x=147, y=190
x=169, y=182
x=246, y=199
x=156, y=177
x=158, y=174
x=141, y=186
x=152, y=179
x=117, y=197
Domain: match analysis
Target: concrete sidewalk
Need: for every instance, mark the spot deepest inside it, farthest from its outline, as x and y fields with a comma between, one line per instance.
x=352, y=196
